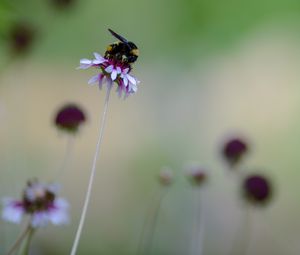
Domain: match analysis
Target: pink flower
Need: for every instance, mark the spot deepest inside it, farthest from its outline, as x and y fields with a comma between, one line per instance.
x=40, y=202
x=111, y=71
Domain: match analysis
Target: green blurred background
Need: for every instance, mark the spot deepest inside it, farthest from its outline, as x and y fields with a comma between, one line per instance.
x=208, y=70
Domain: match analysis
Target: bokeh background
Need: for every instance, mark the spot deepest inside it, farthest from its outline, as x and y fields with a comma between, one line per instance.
x=208, y=70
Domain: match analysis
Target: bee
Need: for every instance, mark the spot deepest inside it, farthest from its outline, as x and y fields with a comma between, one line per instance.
x=123, y=51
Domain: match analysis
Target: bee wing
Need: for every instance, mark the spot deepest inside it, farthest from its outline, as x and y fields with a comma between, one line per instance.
x=122, y=39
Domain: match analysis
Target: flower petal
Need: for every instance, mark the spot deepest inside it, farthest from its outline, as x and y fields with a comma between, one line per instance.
x=98, y=57
x=94, y=79
x=125, y=80
x=13, y=211
x=119, y=70
x=114, y=74
x=109, y=69
x=131, y=79
x=59, y=215
x=40, y=219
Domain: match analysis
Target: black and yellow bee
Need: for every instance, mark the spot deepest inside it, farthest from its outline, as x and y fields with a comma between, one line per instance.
x=123, y=51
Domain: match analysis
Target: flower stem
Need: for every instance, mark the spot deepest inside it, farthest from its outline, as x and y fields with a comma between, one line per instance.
x=66, y=159
x=197, y=239
x=93, y=170
x=152, y=221
x=17, y=243
x=241, y=242
x=28, y=241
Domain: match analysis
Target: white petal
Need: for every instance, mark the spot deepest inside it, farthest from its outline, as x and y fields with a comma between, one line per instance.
x=118, y=69
x=109, y=69
x=125, y=71
x=99, y=57
x=85, y=61
x=125, y=80
x=131, y=79
x=94, y=79
x=114, y=74
x=59, y=215
x=11, y=211
x=132, y=88
x=40, y=219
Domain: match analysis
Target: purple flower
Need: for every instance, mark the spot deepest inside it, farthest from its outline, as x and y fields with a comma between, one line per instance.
x=69, y=118
x=257, y=189
x=21, y=37
x=234, y=150
x=40, y=202
x=111, y=71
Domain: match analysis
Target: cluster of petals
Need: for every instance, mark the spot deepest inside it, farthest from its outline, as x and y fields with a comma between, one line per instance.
x=111, y=71
x=40, y=202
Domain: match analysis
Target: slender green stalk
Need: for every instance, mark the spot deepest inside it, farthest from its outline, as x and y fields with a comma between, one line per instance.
x=199, y=225
x=19, y=240
x=28, y=241
x=66, y=158
x=93, y=171
x=241, y=242
x=153, y=218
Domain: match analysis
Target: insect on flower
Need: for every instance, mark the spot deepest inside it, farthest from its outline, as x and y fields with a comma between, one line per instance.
x=115, y=66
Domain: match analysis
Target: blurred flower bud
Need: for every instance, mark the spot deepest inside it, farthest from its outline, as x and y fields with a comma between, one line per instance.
x=69, y=118
x=234, y=150
x=166, y=176
x=196, y=174
x=21, y=37
x=257, y=189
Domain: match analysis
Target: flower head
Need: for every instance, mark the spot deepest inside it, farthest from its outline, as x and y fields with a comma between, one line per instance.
x=115, y=67
x=234, y=150
x=257, y=189
x=21, y=37
x=69, y=118
x=40, y=201
x=196, y=174
x=165, y=176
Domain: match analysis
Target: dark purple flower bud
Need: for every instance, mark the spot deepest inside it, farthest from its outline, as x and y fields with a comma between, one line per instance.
x=257, y=189
x=21, y=37
x=62, y=4
x=69, y=118
x=234, y=150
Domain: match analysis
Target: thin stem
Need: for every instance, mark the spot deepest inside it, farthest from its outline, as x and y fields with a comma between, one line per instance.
x=145, y=224
x=17, y=243
x=197, y=245
x=67, y=155
x=153, y=223
x=28, y=242
x=241, y=242
x=93, y=170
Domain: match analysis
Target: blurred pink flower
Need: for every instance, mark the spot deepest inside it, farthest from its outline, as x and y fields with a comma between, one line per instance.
x=111, y=71
x=40, y=202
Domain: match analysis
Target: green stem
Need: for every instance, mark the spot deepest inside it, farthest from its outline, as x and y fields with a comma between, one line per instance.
x=17, y=243
x=28, y=241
